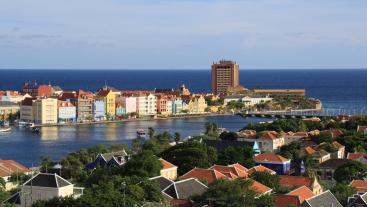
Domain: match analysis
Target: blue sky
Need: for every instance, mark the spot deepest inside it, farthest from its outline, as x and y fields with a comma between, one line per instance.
x=186, y=34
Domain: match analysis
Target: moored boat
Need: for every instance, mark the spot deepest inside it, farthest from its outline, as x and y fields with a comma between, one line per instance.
x=5, y=129
x=140, y=133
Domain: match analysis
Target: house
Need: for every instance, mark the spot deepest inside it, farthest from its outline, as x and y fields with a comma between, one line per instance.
x=318, y=156
x=45, y=111
x=109, y=98
x=358, y=200
x=293, y=182
x=177, y=106
x=99, y=110
x=325, y=170
x=274, y=162
x=335, y=133
x=164, y=105
x=290, y=137
x=362, y=129
x=8, y=108
x=196, y=104
x=110, y=159
x=129, y=103
x=340, y=153
x=302, y=193
x=361, y=157
x=10, y=167
x=207, y=175
x=325, y=199
x=44, y=186
x=66, y=111
x=13, y=96
x=360, y=185
x=162, y=182
x=294, y=198
x=168, y=170
x=312, y=119
x=26, y=110
x=260, y=168
x=184, y=189
x=146, y=104
x=270, y=141
x=232, y=171
x=246, y=134
x=84, y=102
x=260, y=188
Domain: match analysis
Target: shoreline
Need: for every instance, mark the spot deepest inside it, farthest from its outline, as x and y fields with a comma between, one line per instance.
x=133, y=120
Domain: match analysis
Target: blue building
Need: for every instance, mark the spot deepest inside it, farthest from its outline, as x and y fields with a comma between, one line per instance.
x=279, y=164
x=99, y=110
x=177, y=106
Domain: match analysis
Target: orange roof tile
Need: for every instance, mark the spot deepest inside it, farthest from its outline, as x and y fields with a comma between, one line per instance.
x=209, y=175
x=286, y=200
x=295, y=181
x=238, y=166
x=354, y=156
x=309, y=151
x=360, y=185
x=8, y=167
x=166, y=165
x=269, y=135
x=229, y=169
x=267, y=157
x=259, y=187
x=260, y=168
x=302, y=192
x=337, y=145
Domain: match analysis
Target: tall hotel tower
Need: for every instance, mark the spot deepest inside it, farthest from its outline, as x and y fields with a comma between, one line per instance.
x=224, y=75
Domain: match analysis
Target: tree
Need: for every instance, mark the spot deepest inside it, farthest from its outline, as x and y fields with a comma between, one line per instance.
x=236, y=193
x=151, y=132
x=211, y=129
x=352, y=170
x=241, y=155
x=322, y=137
x=46, y=163
x=189, y=155
x=228, y=135
x=342, y=192
x=267, y=179
x=177, y=137
x=2, y=184
x=144, y=164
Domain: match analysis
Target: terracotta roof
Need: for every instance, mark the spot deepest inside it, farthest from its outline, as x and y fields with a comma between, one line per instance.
x=309, y=143
x=267, y=157
x=8, y=167
x=103, y=93
x=336, y=133
x=68, y=95
x=302, y=193
x=286, y=200
x=312, y=119
x=309, y=151
x=259, y=187
x=165, y=164
x=260, y=168
x=337, y=145
x=28, y=101
x=269, y=135
x=209, y=175
x=295, y=181
x=297, y=134
x=238, y=166
x=354, y=156
x=314, y=132
x=361, y=128
x=230, y=169
x=360, y=185
x=247, y=133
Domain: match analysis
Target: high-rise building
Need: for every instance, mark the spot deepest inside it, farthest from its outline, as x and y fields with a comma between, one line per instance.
x=224, y=74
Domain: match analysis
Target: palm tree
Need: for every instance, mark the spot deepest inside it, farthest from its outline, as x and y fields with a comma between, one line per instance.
x=177, y=137
x=151, y=132
x=211, y=128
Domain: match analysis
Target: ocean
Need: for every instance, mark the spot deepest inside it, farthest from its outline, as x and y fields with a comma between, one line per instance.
x=337, y=89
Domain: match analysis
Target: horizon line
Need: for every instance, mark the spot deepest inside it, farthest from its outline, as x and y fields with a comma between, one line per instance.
x=142, y=69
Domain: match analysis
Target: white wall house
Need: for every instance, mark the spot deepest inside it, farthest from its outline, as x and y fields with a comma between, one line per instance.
x=147, y=105
x=129, y=103
x=246, y=100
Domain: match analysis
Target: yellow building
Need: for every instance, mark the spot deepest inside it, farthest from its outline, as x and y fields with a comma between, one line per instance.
x=168, y=170
x=8, y=108
x=109, y=99
x=197, y=105
x=45, y=111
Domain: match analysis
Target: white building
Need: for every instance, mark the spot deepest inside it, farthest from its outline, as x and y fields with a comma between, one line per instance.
x=44, y=186
x=45, y=111
x=246, y=100
x=13, y=96
x=129, y=103
x=147, y=105
x=66, y=112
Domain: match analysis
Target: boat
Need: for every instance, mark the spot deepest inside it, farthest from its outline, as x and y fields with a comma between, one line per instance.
x=5, y=129
x=140, y=133
x=36, y=130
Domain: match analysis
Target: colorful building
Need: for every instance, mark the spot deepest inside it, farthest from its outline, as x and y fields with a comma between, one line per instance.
x=45, y=111
x=195, y=104
x=7, y=109
x=99, y=110
x=164, y=105
x=109, y=98
x=26, y=110
x=13, y=96
x=274, y=162
x=168, y=170
x=129, y=103
x=147, y=104
x=66, y=112
x=177, y=106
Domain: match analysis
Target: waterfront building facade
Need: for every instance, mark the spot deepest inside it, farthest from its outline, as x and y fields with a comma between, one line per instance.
x=246, y=100
x=66, y=112
x=7, y=109
x=129, y=103
x=164, y=105
x=197, y=105
x=13, y=96
x=109, y=98
x=99, y=110
x=85, y=101
x=147, y=104
x=225, y=74
x=45, y=111
x=26, y=110
x=177, y=106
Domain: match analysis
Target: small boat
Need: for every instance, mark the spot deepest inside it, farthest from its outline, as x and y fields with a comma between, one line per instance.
x=36, y=130
x=140, y=133
x=5, y=129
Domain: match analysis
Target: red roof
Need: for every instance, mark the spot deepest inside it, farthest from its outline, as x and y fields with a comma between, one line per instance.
x=337, y=145
x=230, y=169
x=312, y=119
x=270, y=135
x=209, y=175
x=8, y=167
x=298, y=134
x=103, y=93
x=259, y=187
x=360, y=185
x=260, y=168
x=302, y=193
x=354, y=156
x=336, y=133
x=166, y=165
x=295, y=181
x=28, y=101
x=267, y=157
x=309, y=151
x=286, y=200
